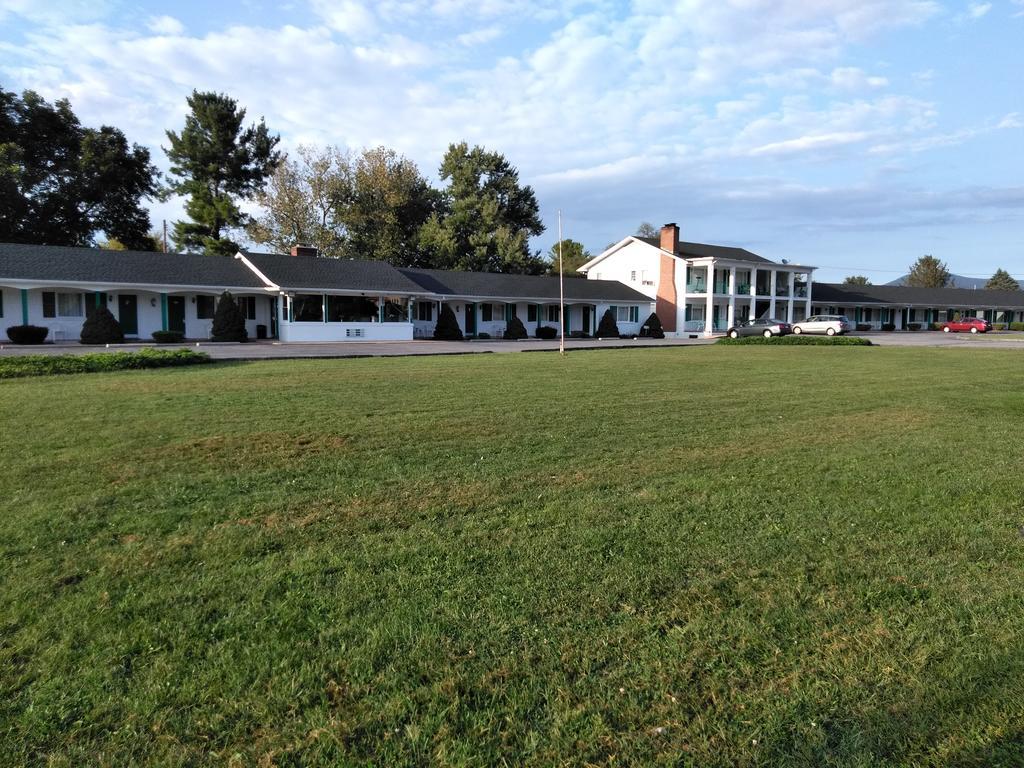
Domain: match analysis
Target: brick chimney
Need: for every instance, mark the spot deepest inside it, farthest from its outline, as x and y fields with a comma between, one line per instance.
x=303, y=249
x=670, y=237
x=665, y=303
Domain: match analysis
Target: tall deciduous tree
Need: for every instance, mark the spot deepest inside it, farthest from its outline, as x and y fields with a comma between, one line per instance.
x=215, y=162
x=62, y=184
x=928, y=272
x=487, y=218
x=646, y=229
x=1002, y=281
x=389, y=203
x=856, y=280
x=368, y=205
x=574, y=256
x=304, y=200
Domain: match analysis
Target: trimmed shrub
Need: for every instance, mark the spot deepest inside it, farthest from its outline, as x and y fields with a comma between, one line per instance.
x=608, y=328
x=98, y=362
x=935, y=326
x=998, y=326
x=101, y=327
x=863, y=327
x=888, y=326
x=652, y=328
x=447, y=327
x=515, y=330
x=168, y=337
x=802, y=340
x=483, y=335
x=547, y=332
x=913, y=326
x=27, y=334
x=228, y=321
x=1017, y=326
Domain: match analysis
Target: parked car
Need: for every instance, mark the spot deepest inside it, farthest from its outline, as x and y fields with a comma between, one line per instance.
x=763, y=326
x=968, y=324
x=830, y=325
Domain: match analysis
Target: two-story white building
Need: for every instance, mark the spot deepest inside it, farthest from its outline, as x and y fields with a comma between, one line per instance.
x=705, y=289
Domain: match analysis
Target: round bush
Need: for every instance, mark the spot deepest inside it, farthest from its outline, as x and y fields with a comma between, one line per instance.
x=515, y=330
x=27, y=334
x=168, y=337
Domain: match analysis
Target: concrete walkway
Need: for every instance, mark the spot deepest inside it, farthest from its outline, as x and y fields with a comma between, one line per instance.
x=268, y=350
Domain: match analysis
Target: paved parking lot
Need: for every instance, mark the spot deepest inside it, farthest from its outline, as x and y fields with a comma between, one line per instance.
x=263, y=350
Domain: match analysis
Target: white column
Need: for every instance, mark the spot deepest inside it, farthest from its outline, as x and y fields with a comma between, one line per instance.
x=730, y=318
x=681, y=295
x=807, y=304
x=792, y=297
x=732, y=281
x=710, y=301
x=753, y=293
x=771, y=288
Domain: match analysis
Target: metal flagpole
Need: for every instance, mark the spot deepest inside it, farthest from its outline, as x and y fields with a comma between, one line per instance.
x=561, y=290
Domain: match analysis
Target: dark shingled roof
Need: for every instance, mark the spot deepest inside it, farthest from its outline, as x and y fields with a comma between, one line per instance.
x=842, y=295
x=705, y=251
x=498, y=285
x=313, y=272
x=93, y=265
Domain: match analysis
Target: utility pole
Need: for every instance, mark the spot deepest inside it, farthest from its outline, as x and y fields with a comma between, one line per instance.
x=561, y=290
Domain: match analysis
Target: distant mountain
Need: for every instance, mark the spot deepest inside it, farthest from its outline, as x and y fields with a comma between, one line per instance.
x=957, y=281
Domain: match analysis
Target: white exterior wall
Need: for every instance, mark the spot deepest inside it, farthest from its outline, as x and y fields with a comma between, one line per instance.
x=635, y=257
x=323, y=332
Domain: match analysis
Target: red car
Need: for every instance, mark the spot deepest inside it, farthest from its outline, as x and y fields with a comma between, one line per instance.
x=971, y=324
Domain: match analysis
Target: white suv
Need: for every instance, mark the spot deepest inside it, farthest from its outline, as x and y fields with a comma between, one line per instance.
x=830, y=325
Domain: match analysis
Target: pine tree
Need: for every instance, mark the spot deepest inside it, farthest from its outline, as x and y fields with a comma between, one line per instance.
x=928, y=272
x=228, y=321
x=607, y=328
x=515, y=330
x=1002, y=281
x=653, y=328
x=215, y=163
x=101, y=327
x=447, y=327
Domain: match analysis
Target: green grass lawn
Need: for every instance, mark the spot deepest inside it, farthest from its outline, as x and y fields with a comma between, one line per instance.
x=678, y=556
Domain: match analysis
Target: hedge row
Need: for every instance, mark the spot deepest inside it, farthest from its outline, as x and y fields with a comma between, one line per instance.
x=48, y=365
x=801, y=340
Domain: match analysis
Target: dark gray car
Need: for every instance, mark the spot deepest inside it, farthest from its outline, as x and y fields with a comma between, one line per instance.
x=762, y=326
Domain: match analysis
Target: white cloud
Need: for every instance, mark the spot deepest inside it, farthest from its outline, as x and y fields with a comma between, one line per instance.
x=977, y=10
x=479, y=36
x=165, y=25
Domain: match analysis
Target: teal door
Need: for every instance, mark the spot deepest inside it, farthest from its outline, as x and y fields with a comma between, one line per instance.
x=586, y=319
x=176, y=313
x=471, y=319
x=128, y=313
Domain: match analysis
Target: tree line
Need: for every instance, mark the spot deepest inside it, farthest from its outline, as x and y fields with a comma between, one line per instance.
x=65, y=184
x=930, y=272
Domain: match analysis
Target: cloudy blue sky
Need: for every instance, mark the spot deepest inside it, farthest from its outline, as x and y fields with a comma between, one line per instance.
x=854, y=135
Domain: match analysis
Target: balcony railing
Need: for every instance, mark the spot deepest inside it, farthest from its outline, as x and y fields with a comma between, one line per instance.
x=696, y=287
x=800, y=291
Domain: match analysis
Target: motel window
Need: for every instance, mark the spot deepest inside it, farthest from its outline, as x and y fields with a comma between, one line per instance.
x=486, y=313
x=531, y=313
x=308, y=308
x=552, y=314
x=425, y=311
x=866, y=317
x=63, y=305
x=205, y=307
x=248, y=306
x=627, y=314
x=350, y=309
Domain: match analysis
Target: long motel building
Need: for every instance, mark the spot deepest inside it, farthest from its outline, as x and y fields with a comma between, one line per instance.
x=293, y=297
x=696, y=289
x=701, y=289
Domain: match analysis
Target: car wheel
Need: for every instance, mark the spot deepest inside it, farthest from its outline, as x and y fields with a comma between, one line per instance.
x=830, y=332
x=734, y=334
x=945, y=329
x=797, y=330
x=767, y=334
x=974, y=330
